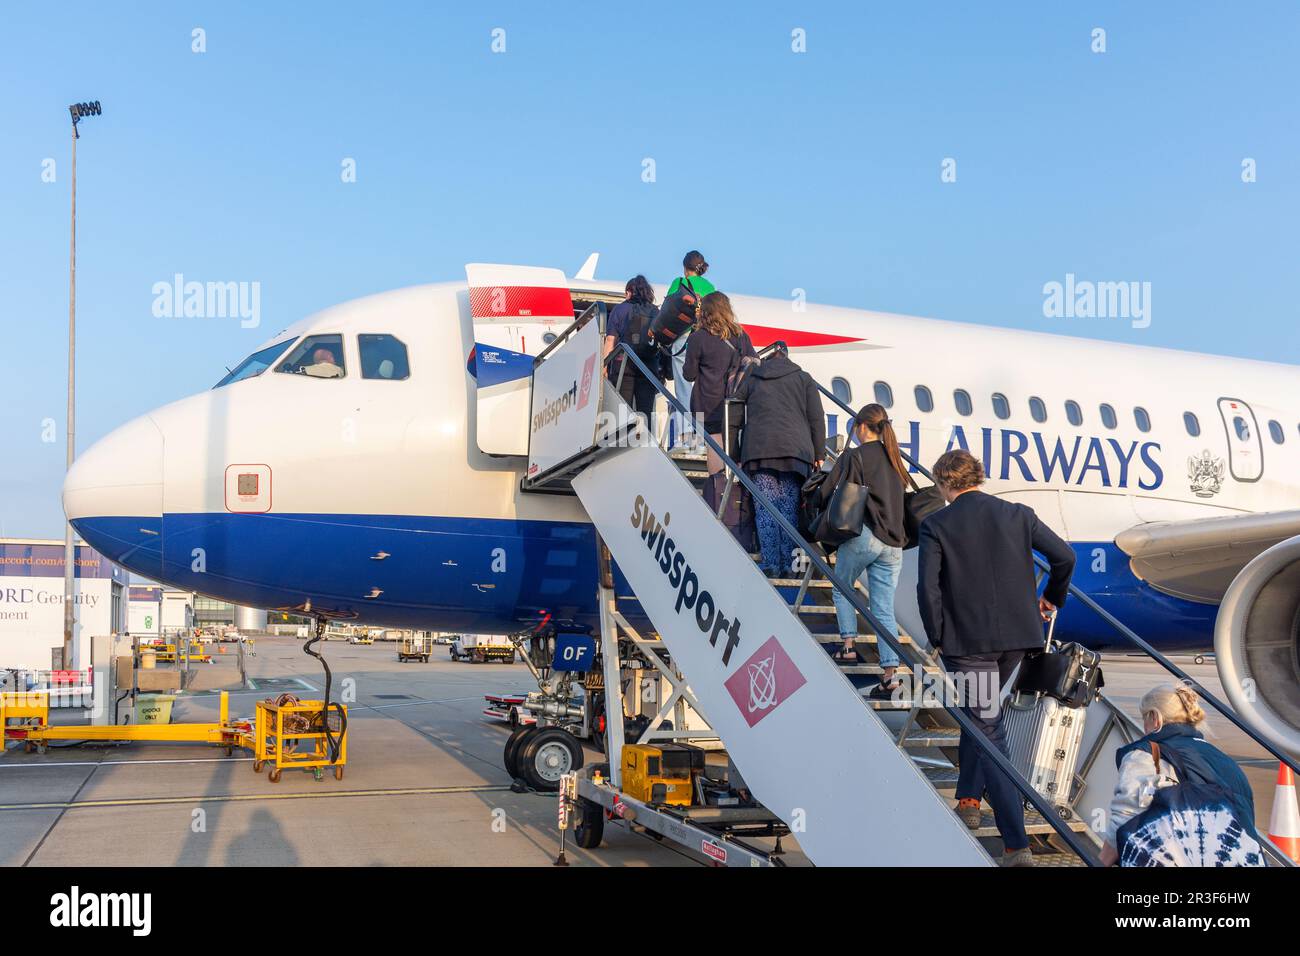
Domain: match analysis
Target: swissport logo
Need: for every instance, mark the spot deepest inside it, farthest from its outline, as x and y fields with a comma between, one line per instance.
x=764, y=681
x=588, y=373
x=575, y=397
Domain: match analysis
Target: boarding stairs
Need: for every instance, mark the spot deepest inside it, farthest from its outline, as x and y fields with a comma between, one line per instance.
x=859, y=781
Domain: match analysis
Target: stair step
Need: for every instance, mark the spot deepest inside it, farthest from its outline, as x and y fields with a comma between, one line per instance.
x=942, y=778
x=798, y=582
x=869, y=669
x=1035, y=825
x=898, y=704
x=933, y=737
x=831, y=641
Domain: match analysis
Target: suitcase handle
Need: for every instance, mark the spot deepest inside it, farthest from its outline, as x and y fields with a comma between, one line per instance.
x=1051, y=629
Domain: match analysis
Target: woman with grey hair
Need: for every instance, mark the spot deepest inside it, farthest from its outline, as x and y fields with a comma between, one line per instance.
x=1179, y=800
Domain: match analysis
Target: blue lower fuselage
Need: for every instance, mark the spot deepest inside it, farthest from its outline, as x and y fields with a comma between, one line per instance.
x=488, y=575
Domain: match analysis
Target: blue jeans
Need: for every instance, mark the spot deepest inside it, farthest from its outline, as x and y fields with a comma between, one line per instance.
x=883, y=563
x=682, y=426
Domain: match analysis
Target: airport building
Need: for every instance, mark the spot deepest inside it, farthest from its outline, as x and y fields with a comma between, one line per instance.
x=31, y=602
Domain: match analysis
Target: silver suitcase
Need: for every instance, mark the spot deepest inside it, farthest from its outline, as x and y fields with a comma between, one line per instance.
x=1043, y=738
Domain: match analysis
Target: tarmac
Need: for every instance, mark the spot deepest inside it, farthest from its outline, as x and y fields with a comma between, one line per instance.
x=424, y=783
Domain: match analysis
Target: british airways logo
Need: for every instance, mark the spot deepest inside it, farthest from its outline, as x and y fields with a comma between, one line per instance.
x=1080, y=460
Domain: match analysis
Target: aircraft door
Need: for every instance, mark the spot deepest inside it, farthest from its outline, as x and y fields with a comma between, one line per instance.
x=1245, y=447
x=506, y=303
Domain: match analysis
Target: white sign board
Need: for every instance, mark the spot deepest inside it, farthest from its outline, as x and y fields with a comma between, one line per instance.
x=800, y=734
x=566, y=401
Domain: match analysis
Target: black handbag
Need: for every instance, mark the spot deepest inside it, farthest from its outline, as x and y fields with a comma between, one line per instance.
x=1071, y=673
x=844, y=515
x=918, y=504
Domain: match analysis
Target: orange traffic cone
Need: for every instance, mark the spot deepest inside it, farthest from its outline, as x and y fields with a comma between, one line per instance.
x=1284, y=825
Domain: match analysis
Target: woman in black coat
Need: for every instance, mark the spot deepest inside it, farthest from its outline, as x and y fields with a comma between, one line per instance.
x=784, y=440
x=715, y=353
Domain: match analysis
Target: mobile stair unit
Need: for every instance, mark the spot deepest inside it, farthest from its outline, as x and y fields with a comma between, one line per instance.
x=856, y=781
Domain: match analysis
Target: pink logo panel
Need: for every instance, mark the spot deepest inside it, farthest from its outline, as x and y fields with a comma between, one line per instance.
x=765, y=680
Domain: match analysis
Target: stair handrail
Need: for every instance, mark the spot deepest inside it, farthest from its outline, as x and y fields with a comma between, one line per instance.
x=1047, y=811
x=1118, y=626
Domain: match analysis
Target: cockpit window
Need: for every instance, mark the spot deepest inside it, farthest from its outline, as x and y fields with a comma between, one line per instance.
x=383, y=356
x=255, y=364
x=320, y=356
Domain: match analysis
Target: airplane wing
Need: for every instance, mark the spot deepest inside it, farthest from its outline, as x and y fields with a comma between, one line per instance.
x=1197, y=559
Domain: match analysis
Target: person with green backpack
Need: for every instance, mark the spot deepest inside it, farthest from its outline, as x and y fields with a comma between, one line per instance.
x=693, y=269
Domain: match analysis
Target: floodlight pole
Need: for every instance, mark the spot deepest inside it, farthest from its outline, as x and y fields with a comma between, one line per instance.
x=78, y=110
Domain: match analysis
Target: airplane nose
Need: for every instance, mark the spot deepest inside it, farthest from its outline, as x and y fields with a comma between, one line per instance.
x=113, y=495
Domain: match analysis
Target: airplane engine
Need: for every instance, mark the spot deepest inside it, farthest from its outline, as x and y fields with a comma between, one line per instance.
x=1257, y=644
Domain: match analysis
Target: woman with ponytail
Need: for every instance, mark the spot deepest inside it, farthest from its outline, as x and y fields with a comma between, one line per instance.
x=876, y=463
x=1179, y=800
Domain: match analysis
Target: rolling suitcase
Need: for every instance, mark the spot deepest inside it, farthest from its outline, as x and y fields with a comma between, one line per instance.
x=1043, y=738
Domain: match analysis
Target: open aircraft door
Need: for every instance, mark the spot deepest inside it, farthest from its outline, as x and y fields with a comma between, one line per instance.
x=1245, y=447
x=511, y=309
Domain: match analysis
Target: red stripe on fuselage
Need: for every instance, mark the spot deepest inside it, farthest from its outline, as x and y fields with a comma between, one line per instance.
x=762, y=335
x=520, y=302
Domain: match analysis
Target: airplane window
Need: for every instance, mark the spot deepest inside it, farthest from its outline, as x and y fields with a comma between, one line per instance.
x=1108, y=416
x=1073, y=413
x=1001, y=407
x=1037, y=409
x=383, y=356
x=1142, y=418
x=1242, y=429
x=1192, y=424
x=1275, y=429
x=962, y=399
x=320, y=356
x=841, y=389
x=884, y=395
x=924, y=400
x=255, y=364
x=548, y=338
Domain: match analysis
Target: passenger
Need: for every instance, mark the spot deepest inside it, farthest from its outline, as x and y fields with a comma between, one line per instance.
x=784, y=439
x=876, y=463
x=1179, y=800
x=629, y=322
x=693, y=269
x=976, y=587
x=714, y=356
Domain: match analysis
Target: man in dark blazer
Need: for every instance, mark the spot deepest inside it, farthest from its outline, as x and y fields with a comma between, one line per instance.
x=976, y=589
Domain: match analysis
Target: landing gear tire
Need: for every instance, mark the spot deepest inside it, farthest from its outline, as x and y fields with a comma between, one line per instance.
x=546, y=756
x=511, y=754
x=590, y=828
x=1198, y=659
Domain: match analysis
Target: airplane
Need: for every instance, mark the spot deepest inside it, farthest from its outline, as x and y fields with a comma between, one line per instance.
x=366, y=462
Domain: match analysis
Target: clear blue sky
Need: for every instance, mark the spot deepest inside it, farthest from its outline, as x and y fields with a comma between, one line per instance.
x=817, y=170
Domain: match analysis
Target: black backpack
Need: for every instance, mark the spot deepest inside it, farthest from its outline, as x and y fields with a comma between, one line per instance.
x=677, y=315
x=637, y=334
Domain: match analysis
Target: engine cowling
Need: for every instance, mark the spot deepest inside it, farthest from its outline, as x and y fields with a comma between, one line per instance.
x=1257, y=644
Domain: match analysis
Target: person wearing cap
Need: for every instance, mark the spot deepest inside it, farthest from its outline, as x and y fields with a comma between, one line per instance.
x=693, y=269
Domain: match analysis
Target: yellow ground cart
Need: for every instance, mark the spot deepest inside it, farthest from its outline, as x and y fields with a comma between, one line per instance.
x=284, y=732
x=292, y=733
